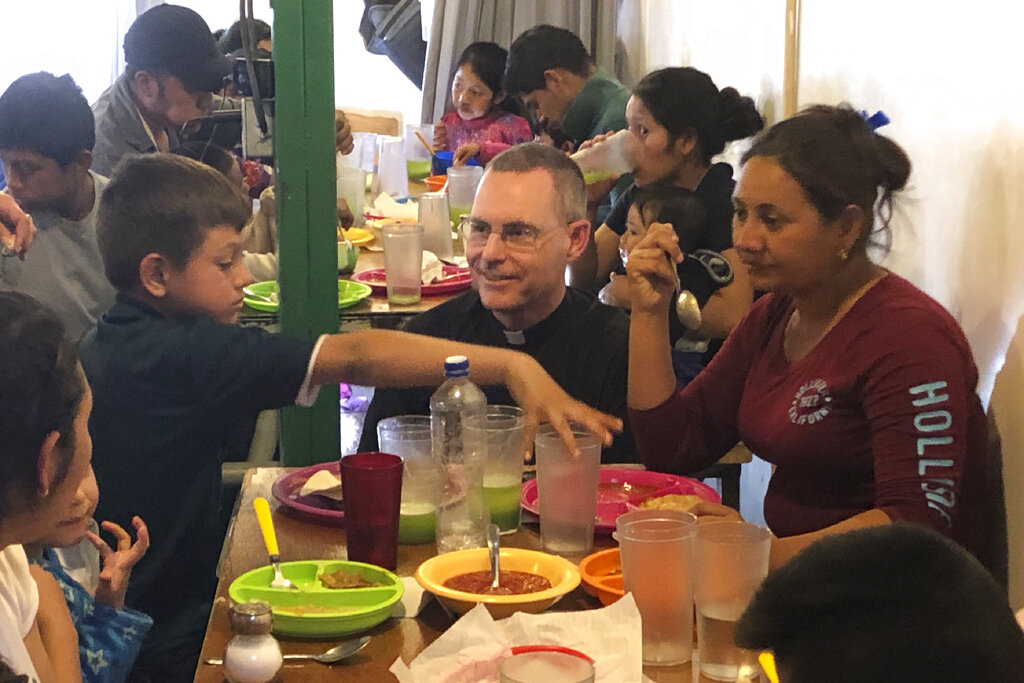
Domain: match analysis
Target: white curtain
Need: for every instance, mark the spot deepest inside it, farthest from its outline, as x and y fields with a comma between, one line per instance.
x=457, y=23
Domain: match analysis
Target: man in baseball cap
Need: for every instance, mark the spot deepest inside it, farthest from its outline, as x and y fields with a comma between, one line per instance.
x=172, y=68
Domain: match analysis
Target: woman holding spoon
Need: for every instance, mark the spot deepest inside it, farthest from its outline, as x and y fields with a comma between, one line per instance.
x=853, y=382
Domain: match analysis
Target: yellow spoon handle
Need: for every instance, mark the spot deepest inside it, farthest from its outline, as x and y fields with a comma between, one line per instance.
x=266, y=524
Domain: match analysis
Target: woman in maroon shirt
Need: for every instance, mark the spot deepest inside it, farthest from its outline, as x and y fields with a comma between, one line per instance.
x=858, y=386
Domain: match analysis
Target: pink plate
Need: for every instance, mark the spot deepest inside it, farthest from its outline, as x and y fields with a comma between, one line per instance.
x=456, y=279
x=286, y=491
x=619, y=488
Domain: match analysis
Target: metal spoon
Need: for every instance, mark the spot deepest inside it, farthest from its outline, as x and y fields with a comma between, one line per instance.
x=270, y=539
x=687, y=307
x=335, y=654
x=494, y=550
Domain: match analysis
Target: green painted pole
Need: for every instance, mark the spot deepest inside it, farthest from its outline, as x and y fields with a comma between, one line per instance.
x=306, y=212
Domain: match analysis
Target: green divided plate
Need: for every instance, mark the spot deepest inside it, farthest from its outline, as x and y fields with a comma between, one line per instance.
x=314, y=611
x=263, y=295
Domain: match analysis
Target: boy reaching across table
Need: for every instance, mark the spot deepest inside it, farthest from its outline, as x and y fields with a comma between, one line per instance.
x=170, y=373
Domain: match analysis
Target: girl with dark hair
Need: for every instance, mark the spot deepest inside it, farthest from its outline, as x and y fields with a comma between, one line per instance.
x=856, y=385
x=47, y=496
x=484, y=122
x=44, y=456
x=678, y=120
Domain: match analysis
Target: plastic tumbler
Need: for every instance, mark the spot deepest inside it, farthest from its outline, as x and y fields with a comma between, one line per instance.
x=403, y=261
x=408, y=436
x=417, y=158
x=462, y=184
x=502, y=430
x=656, y=548
x=352, y=188
x=546, y=666
x=391, y=169
x=371, y=484
x=730, y=561
x=567, y=490
x=437, y=227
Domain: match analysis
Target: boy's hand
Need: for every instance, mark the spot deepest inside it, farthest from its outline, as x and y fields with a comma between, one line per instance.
x=542, y=400
x=117, y=564
x=16, y=227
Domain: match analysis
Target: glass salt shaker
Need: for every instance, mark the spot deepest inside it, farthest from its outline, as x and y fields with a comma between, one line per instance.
x=253, y=655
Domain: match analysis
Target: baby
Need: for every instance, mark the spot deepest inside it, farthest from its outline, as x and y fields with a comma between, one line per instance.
x=484, y=122
x=109, y=635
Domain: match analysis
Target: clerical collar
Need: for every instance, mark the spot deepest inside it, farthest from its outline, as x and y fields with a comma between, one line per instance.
x=515, y=337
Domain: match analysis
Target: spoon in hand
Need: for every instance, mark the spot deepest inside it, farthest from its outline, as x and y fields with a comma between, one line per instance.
x=687, y=307
x=335, y=654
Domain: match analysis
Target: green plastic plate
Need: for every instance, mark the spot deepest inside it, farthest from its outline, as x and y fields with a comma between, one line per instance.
x=263, y=295
x=314, y=611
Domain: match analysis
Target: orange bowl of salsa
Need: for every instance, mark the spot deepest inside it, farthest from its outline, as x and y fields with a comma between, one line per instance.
x=562, y=575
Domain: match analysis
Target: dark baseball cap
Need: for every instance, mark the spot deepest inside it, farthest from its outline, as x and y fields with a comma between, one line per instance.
x=175, y=39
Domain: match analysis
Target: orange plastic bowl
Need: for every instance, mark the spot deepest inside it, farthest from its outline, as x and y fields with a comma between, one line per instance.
x=435, y=182
x=601, y=574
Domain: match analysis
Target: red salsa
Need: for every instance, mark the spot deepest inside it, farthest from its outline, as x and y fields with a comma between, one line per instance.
x=512, y=583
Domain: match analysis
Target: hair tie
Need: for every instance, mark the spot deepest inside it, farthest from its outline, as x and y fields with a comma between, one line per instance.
x=876, y=120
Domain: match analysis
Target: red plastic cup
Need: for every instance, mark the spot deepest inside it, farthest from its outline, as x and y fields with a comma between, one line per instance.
x=371, y=484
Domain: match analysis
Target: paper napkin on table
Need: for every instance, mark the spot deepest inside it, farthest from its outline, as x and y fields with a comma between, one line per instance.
x=323, y=483
x=414, y=599
x=471, y=650
x=433, y=269
x=384, y=205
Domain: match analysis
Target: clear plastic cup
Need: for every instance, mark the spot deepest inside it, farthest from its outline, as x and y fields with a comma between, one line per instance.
x=567, y=490
x=730, y=561
x=403, y=261
x=547, y=667
x=462, y=184
x=437, y=228
x=352, y=188
x=656, y=548
x=408, y=437
x=505, y=439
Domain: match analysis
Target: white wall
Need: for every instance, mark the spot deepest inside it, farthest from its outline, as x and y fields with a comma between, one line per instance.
x=947, y=79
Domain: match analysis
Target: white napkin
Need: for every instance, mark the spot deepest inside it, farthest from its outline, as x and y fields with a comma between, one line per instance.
x=472, y=648
x=385, y=205
x=323, y=483
x=414, y=599
x=433, y=269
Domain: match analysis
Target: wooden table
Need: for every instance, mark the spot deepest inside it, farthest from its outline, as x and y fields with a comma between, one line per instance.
x=300, y=539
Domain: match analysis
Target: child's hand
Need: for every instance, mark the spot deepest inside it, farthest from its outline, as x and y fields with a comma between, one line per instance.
x=440, y=137
x=464, y=153
x=117, y=564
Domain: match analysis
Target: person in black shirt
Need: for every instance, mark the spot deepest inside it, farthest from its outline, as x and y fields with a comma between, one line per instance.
x=528, y=223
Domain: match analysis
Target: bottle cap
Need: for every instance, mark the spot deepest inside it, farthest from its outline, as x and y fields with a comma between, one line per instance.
x=251, y=618
x=456, y=366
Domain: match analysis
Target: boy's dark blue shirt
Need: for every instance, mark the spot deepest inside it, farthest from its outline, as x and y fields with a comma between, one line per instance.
x=165, y=393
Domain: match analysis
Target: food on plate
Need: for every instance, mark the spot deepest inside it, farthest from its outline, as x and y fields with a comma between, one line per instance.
x=345, y=579
x=322, y=483
x=303, y=610
x=512, y=583
x=673, y=501
x=611, y=491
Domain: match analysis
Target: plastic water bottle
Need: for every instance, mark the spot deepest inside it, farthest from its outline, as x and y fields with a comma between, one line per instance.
x=462, y=516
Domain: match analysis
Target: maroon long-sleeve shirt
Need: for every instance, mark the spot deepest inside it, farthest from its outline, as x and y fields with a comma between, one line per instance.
x=881, y=413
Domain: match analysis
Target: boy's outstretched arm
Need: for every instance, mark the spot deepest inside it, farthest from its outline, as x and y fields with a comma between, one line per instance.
x=385, y=358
